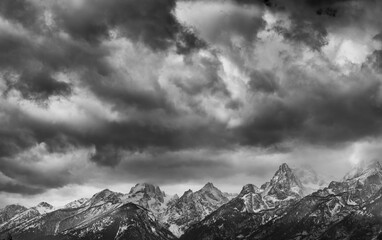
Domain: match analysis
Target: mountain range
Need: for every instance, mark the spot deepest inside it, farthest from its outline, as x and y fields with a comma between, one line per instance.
x=293, y=204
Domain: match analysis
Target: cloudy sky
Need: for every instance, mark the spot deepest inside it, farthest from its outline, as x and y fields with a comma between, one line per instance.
x=104, y=94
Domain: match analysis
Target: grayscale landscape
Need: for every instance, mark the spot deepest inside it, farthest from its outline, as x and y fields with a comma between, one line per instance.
x=190, y=119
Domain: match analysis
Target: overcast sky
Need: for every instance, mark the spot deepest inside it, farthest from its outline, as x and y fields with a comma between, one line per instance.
x=104, y=94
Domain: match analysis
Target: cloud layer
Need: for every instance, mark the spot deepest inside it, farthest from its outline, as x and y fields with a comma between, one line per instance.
x=179, y=91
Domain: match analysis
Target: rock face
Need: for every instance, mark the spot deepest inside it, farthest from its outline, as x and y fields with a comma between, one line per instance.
x=26, y=214
x=124, y=216
x=251, y=208
x=282, y=208
x=365, y=223
x=148, y=196
x=283, y=184
x=343, y=210
x=192, y=207
x=77, y=203
x=43, y=207
x=104, y=216
x=10, y=211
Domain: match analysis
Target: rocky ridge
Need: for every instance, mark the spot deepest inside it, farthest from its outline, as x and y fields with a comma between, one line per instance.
x=288, y=206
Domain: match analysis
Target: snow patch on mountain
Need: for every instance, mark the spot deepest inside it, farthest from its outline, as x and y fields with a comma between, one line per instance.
x=149, y=196
x=44, y=207
x=192, y=207
x=77, y=203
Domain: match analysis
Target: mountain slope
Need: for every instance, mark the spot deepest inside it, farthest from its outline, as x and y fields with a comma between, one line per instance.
x=366, y=223
x=148, y=196
x=251, y=208
x=105, y=217
x=192, y=207
x=77, y=203
x=314, y=215
x=10, y=211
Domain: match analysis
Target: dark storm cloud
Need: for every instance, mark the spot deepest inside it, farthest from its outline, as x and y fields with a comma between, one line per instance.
x=149, y=21
x=112, y=88
x=189, y=41
x=29, y=62
x=318, y=112
x=39, y=86
x=311, y=34
x=296, y=105
x=10, y=187
x=263, y=81
x=34, y=52
x=14, y=136
x=107, y=155
x=36, y=178
x=311, y=19
x=21, y=132
x=375, y=60
x=21, y=11
x=378, y=37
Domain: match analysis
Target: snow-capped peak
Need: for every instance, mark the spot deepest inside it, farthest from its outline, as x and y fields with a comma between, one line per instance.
x=10, y=211
x=283, y=184
x=77, y=203
x=13, y=207
x=208, y=186
x=149, y=196
x=210, y=193
x=44, y=207
x=148, y=189
x=105, y=196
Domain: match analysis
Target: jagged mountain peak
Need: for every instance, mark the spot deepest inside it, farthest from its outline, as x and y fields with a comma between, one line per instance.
x=43, y=207
x=10, y=211
x=249, y=188
x=186, y=195
x=147, y=187
x=188, y=192
x=210, y=193
x=283, y=184
x=191, y=207
x=104, y=192
x=147, y=190
x=149, y=196
x=105, y=195
x=44, y=204
x=208, y=186
x=284, y=168
x=175, y=197
x=285, y=173
x=13, y=206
